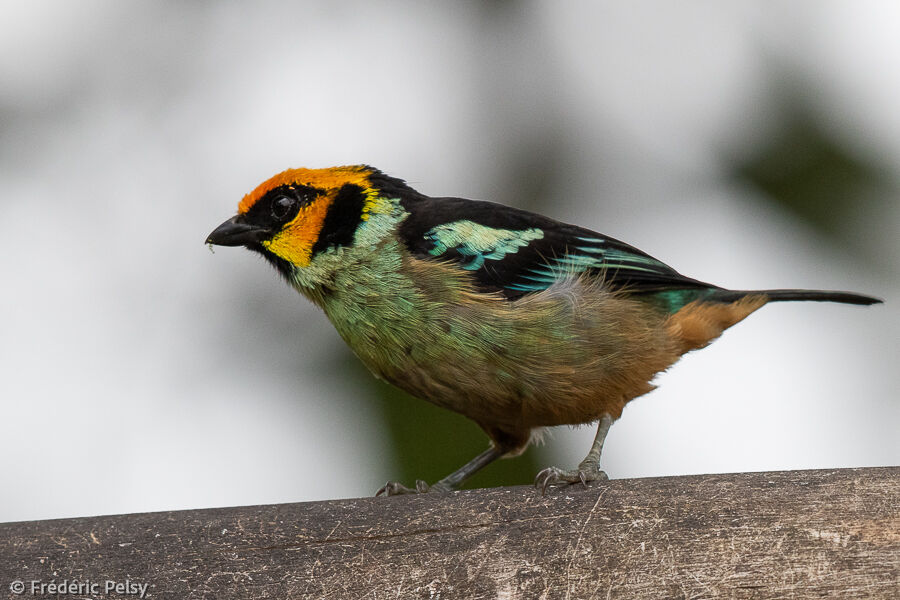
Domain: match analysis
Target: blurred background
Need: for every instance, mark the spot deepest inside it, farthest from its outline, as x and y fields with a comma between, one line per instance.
x=750, y=144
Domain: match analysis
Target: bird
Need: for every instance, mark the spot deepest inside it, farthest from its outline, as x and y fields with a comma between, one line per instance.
x=513, y=319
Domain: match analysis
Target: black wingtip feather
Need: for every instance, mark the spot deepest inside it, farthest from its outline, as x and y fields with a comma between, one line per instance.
x=801, y=295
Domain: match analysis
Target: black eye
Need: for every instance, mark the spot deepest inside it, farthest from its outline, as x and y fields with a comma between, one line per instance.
x=281, y=207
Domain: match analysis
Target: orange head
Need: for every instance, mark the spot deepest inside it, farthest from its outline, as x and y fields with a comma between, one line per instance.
x=300, y=212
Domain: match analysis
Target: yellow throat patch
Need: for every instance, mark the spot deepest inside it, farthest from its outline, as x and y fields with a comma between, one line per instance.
x=295, y=241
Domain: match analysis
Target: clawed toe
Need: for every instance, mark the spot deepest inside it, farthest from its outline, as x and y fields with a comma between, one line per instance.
x=552, y=476
x=394, y=488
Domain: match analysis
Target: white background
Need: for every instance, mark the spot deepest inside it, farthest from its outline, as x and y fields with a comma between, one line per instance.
x=140, y=372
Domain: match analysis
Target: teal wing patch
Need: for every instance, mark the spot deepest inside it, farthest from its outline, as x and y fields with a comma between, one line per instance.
x=478, y=243
x=580, y=254
x=516, y=252
x=494, y=254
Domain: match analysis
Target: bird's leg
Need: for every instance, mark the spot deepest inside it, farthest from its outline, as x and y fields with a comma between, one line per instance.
x=588, y=469
x=448, y=483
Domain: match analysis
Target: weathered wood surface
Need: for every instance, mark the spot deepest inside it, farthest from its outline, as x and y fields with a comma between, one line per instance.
x=801, y=534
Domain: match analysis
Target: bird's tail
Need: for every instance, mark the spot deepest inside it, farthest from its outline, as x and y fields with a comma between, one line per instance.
x=791, y=295
x=698, y=323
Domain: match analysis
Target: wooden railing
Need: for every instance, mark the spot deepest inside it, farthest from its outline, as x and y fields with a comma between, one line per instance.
x=799, y=534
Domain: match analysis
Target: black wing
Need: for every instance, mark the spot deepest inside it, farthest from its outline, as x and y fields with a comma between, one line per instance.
x=517, y=252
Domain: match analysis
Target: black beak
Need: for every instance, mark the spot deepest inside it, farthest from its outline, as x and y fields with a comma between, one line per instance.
x=235, y=232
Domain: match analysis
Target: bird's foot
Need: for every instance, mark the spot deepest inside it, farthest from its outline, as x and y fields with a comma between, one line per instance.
x=552, y=476
x=394, y=488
